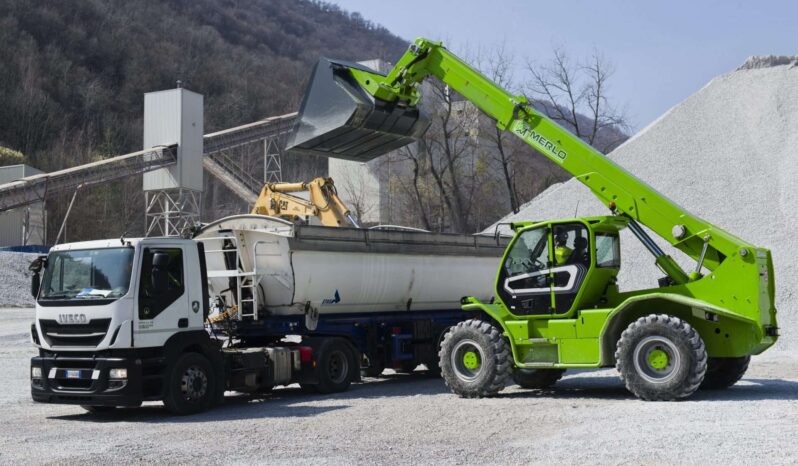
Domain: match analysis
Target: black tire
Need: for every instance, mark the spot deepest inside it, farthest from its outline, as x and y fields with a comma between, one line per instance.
x=190, y=385
x=98, y=409
x=475, y=360
x=724, y=372
x=536, y=379
x=335, y=367
x=661, y=358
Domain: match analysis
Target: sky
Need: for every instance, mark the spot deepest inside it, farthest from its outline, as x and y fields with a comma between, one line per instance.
x=662, y=51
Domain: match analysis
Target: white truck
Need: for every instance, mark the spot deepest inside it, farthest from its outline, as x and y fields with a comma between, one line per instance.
x=123, y=321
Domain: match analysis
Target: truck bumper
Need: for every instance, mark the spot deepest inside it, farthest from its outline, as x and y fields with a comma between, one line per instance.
x=86, y=381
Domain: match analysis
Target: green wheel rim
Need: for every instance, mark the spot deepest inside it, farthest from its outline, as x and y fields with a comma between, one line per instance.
x=470, y=360
x=658, y=359
x=466, y=359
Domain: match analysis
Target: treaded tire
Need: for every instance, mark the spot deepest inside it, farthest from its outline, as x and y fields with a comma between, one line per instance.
x=683, y=367
x=336, y=366
x=537, y=378
x=190, y=385
x=724, y=372
x=495, y=363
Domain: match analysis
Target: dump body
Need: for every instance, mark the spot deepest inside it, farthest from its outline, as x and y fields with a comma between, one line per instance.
x=347, y=270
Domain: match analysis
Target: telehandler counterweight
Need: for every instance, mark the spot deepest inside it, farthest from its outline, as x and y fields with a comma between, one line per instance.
x=558, y=305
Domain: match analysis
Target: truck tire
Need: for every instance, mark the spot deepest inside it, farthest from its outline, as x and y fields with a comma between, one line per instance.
x=336, y=366
x=724, y=372
x=537, y=378
x=98, y=409
x=661, y=358
x=475, y=359
x=190, y=385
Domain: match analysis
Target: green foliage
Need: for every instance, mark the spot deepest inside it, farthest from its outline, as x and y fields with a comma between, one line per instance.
x=10, y=157
x=73, y=74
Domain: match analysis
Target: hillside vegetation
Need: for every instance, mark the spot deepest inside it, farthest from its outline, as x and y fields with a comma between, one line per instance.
x=72, y=76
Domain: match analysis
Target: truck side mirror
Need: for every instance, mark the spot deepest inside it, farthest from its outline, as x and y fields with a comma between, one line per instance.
x=159, y=279
x=35, y=282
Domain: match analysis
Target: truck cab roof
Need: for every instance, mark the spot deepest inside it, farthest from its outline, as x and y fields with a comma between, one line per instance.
x=115, y=243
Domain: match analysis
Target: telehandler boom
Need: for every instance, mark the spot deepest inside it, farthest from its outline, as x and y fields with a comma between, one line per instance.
x=558, y=304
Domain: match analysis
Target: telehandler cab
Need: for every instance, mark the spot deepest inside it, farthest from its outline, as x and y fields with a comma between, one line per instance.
x=557, y=304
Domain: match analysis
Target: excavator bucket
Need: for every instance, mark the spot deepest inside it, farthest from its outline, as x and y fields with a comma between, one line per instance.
x=338, y=118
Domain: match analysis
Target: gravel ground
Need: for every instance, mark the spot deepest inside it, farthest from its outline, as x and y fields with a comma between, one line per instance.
x=588, y=418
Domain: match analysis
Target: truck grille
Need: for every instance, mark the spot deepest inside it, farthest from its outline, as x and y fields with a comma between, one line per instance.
x=90, y=334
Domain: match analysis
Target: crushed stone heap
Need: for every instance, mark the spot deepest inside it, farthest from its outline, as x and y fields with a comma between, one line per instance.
x=729, y=154
x=15, y=279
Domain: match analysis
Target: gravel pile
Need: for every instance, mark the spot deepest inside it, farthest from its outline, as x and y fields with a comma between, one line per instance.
x=15, y=279
x=729, y=154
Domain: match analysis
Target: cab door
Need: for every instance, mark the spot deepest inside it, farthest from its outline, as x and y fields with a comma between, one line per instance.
x=524, y=283
x=162, y=299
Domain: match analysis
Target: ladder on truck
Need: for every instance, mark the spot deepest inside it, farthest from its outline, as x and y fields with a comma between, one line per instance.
x=246, y=282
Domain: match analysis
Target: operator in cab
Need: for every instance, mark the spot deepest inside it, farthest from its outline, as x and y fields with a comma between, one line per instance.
x=561, y=250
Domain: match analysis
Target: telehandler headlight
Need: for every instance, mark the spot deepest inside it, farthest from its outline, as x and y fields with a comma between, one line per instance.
x=118, y=374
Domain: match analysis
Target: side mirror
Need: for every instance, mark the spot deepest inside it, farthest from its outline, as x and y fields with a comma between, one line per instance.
x=159, y=279
x=35, y=282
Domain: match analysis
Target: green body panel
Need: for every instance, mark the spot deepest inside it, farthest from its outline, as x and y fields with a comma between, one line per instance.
x=732, y=307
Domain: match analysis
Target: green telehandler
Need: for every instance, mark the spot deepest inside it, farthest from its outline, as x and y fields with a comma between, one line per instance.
x=557, y=303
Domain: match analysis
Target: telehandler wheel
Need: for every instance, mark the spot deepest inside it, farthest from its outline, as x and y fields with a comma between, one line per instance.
x=537, y=378
x=661, y=357
x=475, y=359
x=190, y=385
x=724, y=372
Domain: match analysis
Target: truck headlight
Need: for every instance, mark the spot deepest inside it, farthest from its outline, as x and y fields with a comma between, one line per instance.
x=35, y=372
x=117, y=374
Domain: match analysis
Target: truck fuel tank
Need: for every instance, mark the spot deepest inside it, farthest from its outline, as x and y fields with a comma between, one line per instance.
x=338, y=118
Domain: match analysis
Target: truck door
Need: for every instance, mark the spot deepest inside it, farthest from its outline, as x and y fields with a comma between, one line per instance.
x=571, y=264
x=162, y=306
x=524, y=283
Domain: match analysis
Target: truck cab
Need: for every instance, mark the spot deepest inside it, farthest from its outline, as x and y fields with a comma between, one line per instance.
x=111, y=315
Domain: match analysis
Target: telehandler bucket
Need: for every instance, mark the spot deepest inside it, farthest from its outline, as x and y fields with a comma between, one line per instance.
x=338, y=118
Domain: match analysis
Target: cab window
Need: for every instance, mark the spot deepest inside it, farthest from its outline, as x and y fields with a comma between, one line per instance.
x=151, y=301
x=608, y=250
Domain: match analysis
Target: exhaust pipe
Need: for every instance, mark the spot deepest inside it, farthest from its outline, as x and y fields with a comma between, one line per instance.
x=339, y=118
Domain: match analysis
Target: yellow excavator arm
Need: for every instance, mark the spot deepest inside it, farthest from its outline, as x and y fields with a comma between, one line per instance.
x=276, y=200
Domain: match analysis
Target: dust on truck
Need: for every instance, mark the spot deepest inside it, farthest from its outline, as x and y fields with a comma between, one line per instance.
x=123, y=321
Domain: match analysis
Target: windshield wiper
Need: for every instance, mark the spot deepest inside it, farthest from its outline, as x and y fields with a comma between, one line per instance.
x=60, y=294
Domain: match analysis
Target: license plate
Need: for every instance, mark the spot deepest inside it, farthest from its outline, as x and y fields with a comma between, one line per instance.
x=73, y=374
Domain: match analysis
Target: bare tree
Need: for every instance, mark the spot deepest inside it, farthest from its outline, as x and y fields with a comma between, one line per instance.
x=575, y=94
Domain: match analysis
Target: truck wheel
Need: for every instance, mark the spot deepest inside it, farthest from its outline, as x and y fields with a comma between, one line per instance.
x=190, y=385
x=98, y=409
x=724, y=372
x=537, y=378
x=335, y=367
x=661, y=357
x=475, y=360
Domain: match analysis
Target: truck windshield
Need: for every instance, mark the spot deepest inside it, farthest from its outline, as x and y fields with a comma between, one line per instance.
x=87, y=275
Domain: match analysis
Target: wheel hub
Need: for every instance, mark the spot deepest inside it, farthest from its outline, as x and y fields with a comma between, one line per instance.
x=656, y=359
x=466, y=359
x=193, y=384
x=470, y=360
